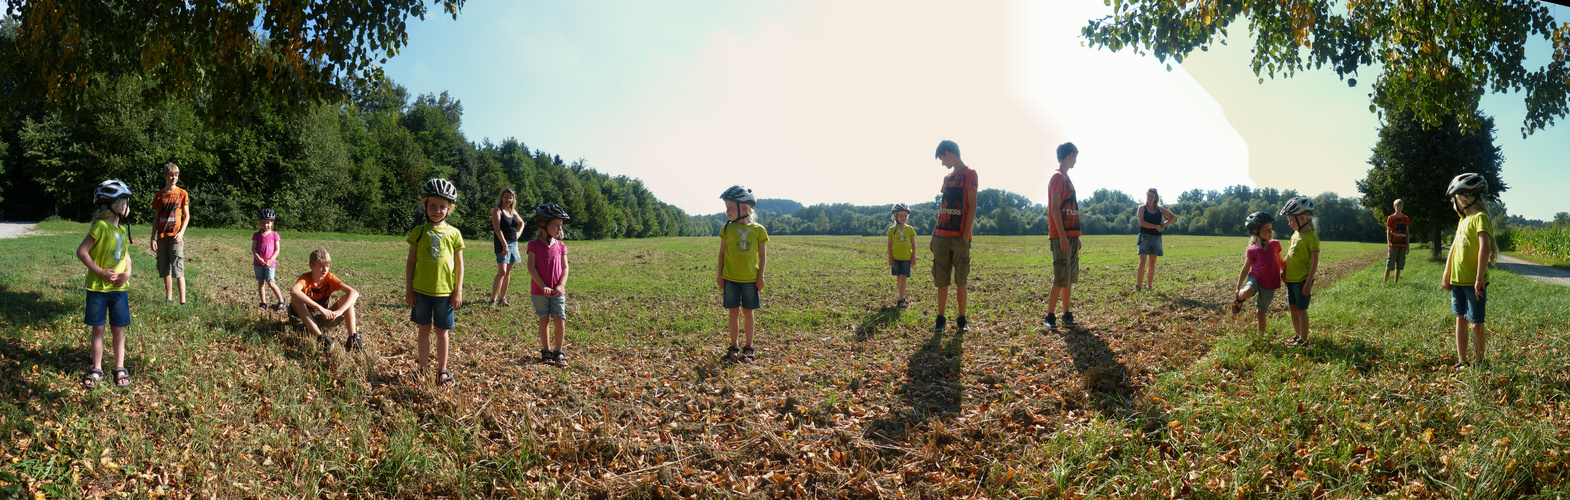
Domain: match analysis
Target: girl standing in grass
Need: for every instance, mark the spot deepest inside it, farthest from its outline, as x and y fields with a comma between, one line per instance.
x=1466, y=268
x=106, y=252
x=265, y=247
x=548, y=280
x=1302, y=264
x=1262, y=266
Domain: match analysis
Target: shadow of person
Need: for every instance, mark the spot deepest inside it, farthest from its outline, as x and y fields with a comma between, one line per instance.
x=934, y=386
x=877, y=322
x=1104, y=379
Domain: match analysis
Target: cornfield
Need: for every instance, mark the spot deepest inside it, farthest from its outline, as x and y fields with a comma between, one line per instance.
x=1551, y=241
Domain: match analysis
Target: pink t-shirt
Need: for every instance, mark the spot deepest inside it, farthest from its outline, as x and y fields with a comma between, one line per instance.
x=265, y=246
x=550, y=261
x=1267, y=270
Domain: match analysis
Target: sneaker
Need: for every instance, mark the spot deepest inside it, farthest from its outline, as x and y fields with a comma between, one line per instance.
x=1462, y=366
x=1050, y=321
x=327, y=342
x=938, y=328
x=961, y=324
x=353, y=342
x=505, y=303
x=1068, y=319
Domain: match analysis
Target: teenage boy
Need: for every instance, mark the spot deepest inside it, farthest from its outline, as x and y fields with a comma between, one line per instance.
x=1395, y=236
x=171, y=215
x=951, y=236
x=1063, y=235
x=310, y=300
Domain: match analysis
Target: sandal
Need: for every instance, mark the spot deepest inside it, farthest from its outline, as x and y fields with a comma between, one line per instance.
x=547, y=356
x=122, y=377
x=730, y=354
x=902, y=304
x=444, y=378
x=748, y=355
x=1237, y=307
x=280, y=307
x=353, y=342
x=561, y=357
x=263, y=305
x=90, y=381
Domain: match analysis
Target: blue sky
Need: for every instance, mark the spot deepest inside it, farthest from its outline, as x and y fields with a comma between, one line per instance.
x=825, y=102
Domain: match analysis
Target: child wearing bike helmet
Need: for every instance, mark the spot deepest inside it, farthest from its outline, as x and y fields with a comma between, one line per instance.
x=106, y=252
x=1466, y=267
x=548, y=280
x=902, y=249
x=740, y=269
x=265, y=246
x=1301, y=266
x=1262, y=264
x=433, y=274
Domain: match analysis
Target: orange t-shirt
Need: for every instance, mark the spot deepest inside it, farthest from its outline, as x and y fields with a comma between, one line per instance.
x=319, y=292
x=958, y=188
x=1062, y=188
x=1396, y=226
x=168, y=211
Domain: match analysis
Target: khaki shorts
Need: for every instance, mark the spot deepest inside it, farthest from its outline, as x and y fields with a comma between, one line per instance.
x=1065, y=266
x=1396, y=261
x=950, y=256
x=316, y=317
x=171, y=258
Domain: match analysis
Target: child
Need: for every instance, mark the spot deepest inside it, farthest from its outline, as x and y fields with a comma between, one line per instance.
x=308, y=302
x=902, y=249
x=1063, y=233
x=433, y=274
x=1261, y=266
x=1395, y=236
x=951, y=235
x=106, y=253
x=264, y=258
x=1302, y=264
x=1466, y=268
x=548, y=280
x=171, y=216
x=742, y=260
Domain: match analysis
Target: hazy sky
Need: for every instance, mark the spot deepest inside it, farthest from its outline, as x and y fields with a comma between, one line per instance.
x=821, y=102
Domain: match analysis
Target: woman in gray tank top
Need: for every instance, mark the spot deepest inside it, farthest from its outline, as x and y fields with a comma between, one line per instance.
x=1153, y=219
x=506, y=225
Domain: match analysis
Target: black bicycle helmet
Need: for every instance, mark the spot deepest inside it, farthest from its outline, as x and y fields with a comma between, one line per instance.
x=1257, y=220
x=1301, y=205
x=266, y=214
x=109, y=191
x=900, y=207
x=1467, y=183
x=550, y=211
x=439, y=187
x=739, y=194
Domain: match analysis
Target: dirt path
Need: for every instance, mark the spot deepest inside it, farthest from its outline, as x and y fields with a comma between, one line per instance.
x=1537, y=272
x=15, y=229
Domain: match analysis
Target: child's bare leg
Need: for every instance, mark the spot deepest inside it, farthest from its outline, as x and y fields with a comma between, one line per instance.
x=733, y=312
x=441, y=349
x=1052, y=300
x=1479, y=341
x=1398, y=276
x=943, y=299
x=276, y=291
x=747, y=314
x=1067, y=291
x=119, y=345
x=545, y=340
x=182, y=289
x=901, y=280
x=424, y=340
x=304, y=313
x=959, y=298
x=261, y=291
x=98, y=347
x=1461, y=339
x=352, y=320
x=168, y=288
x=1244, y=293
x=560, y=324
x=1261, y=315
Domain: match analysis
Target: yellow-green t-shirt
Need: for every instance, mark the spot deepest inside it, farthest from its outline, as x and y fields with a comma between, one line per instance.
x=111, y=250
x=434, y=248
x=1463, y=250
x=1299, y=256
x=904, y=239
x=741, y=251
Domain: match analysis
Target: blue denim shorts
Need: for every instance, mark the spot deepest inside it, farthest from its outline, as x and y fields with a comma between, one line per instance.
x=743, y=295
x=1295, y=297
x=264, y=273
x=1464, y=302
x=1150, y=244
x=428, y=309
x=900, y=268
x=115, y=305
x=550, y=306
x=511, y=254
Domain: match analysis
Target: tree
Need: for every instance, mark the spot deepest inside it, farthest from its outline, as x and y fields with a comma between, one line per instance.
x=1414, y=162
x=1437, y=57
x=305, y=52
x=1562, y=218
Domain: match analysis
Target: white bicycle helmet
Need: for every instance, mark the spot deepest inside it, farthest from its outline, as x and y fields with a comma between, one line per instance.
x=1467, y=183
x=441, y=188
x=1301, y=205
x=739, y=194
x=109, y=191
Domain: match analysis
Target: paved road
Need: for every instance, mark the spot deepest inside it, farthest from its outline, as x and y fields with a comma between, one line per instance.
x=15, y=229
x=1537, y=272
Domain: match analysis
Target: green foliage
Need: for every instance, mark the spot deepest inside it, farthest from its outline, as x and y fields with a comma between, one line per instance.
x=1552, y=241
x=1433, y=61
x=1414, y=162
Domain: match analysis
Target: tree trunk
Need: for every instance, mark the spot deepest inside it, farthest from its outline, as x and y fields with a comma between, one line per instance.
x=1435, y=242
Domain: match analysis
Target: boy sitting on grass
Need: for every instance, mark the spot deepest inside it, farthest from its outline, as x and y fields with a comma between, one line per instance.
x=308, y=301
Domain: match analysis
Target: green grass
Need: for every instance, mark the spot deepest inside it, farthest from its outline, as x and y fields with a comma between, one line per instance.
x=849, y=396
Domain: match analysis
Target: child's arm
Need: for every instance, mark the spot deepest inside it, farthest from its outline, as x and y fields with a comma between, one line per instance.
x=763, y=261
x=185, y=221
x=350, y=296
x=1485, y=249
x=1242, y=276
x=719, y=269
x=87, y=259
x=408, y=277
x=534, y=274
x=277, y=250
x=457, y=287
x=297, y=292
x=561, y=288
x=913, y=247
x=968, y=222
x=1313, y=268
x=1444, y=280
x=891, y=251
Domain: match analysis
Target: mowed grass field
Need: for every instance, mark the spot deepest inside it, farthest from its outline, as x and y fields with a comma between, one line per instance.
x=1158, y=395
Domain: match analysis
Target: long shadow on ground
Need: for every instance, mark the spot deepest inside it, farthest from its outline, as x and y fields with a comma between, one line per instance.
x=1105, y=380
x=877, y=322
x=933, y=387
